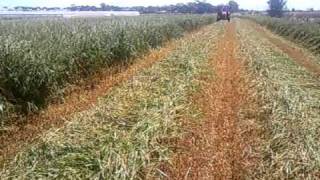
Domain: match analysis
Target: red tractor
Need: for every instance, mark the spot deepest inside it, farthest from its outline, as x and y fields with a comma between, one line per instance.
x=224, y=13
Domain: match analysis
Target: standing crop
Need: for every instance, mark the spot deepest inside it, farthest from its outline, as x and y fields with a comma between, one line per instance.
x=304, y=33
x=38, y=57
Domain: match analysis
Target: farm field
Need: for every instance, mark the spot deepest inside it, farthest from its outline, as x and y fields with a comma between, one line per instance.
x=203, y=100
x=36, y=67
x=304, y=33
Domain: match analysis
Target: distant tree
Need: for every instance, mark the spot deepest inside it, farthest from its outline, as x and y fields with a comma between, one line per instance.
x=203, y=7
x=293, y=10
x=276, y=7
x=234, y=6
x=88, y=8
x=137, y=8
x=197, y=7
x=72, y=7
x=103, y=6
x=310, y=9
x=23, y=8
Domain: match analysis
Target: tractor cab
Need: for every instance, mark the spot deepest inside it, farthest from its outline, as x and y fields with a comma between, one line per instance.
x=224, y=13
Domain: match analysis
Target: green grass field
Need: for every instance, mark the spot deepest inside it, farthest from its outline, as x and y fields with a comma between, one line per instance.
x=216, y=100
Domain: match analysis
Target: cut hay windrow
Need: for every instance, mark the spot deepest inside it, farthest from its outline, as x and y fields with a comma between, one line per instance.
x=38, y=57
x=125, y=135
x=290, y=105
x=305, y=33
x=219, y=143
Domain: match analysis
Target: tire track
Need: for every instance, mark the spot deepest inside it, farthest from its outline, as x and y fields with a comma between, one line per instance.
x=219, y=147
x=226, y=97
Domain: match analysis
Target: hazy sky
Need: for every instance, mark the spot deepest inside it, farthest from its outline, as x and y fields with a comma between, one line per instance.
x=246, y=4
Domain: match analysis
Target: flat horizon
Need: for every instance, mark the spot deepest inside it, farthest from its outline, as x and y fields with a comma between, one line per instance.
x=244, y=4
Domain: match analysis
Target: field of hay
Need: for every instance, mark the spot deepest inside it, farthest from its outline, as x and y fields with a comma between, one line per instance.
x=159, y=97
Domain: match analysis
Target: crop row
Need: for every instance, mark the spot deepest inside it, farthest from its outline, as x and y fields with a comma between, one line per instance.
x=38, y=57
x=289, y=113
x=305, y=33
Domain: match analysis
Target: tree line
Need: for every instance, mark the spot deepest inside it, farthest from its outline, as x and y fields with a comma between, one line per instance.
x=197, y=7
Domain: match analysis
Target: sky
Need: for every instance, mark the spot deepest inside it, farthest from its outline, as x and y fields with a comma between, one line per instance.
x=245, y=4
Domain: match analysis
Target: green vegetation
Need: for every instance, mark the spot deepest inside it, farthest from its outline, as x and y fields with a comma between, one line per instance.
x=276, y=7
x=304, y=33
x=38, y=57
x=125, y=135
x=290, y=111
x=234, y=6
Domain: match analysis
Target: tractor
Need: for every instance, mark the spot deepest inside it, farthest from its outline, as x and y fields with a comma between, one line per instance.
x=224, y=13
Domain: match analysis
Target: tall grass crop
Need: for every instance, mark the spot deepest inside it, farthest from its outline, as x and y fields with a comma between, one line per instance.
x=305, y=33
x=38, y=57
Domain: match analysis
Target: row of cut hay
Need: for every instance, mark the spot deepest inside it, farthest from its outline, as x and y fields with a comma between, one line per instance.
x=125, y=136
x=290, y=110
x=38, y=57
x=305, y=33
